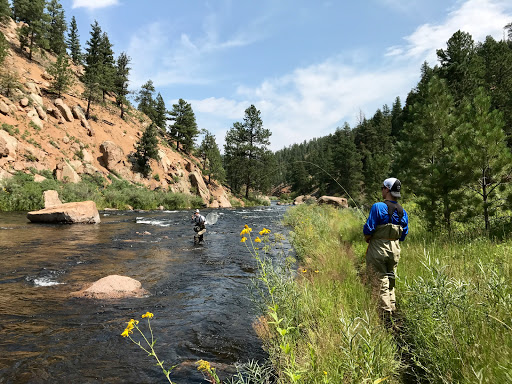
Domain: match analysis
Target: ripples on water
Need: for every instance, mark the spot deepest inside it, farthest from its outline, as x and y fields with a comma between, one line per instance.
x=198, y=294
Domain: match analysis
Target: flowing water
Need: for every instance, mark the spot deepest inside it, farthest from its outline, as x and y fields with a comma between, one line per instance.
x=198, y=294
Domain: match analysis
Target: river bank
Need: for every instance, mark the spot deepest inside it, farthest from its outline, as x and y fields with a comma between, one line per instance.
x=453, y=294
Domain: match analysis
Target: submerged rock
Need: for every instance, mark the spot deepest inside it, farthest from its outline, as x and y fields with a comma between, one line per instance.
x=81, y=212
x=112, y=287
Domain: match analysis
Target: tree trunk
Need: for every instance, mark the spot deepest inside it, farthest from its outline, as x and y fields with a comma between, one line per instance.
x=88, y=107
x=485, y=197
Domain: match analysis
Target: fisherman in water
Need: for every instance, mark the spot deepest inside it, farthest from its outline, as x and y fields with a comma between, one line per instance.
x=199, y=226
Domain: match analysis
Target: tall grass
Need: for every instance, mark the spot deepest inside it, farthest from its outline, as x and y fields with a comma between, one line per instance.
x=21, y=193
x=454, y=296
x=456, y=299
x=333, y=332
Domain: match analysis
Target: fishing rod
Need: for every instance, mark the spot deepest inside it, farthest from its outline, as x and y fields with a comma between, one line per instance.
x=336, y=181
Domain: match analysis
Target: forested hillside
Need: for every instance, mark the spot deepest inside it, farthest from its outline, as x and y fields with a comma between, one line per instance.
x=449, y=143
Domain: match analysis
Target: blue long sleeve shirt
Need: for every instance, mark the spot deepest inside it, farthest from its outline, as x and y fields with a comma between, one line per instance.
x=379, y=216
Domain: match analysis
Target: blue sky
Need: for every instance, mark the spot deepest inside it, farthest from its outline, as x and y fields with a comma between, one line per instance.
x=308, y=66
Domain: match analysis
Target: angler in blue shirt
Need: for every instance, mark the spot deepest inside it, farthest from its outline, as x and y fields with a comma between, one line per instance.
x=386, y=227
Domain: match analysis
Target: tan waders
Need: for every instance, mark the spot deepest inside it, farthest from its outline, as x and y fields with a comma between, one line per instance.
x=382, y=258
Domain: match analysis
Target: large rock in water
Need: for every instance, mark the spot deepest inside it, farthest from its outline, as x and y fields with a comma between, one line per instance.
x=113, y=287
x=81, y=212
x=339, y=202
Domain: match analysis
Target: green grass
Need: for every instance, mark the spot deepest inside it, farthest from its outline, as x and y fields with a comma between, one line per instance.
x=21, y=193
x=334, y=334
x=454, y=295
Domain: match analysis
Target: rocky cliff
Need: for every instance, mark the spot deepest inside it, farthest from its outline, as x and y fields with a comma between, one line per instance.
x=42, y=132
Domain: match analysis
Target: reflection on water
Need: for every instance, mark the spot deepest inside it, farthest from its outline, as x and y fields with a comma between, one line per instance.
x=198, y=296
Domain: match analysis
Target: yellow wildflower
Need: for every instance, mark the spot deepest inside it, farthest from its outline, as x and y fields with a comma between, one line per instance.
x=264, y=231
x=244, y=231
x=304, y=270
x=203, y=365
x=245, y=226
x=257, y=240
x=325, y=373
x=243, y=239
x=316, y=271
x=148, y=314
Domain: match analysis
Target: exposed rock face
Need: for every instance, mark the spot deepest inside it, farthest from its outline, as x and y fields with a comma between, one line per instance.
x=9, y=143
x=51, y=198
x=78, y=112
x=64, y=110
x=36, y=98
x=24, y=102
x=112, y=154
x=55, y=112
x=82, y=212
x=4, y=108
x=40, y=111
x=34, y=118
x=197, y=181
x=113, y=287
x=338, y=202
x=65, y=172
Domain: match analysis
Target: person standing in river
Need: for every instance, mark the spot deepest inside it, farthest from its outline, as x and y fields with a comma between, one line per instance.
x=386, y=227
x=199, y=226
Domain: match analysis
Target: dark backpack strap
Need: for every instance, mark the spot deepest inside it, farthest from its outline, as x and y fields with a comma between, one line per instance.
x=392, y=207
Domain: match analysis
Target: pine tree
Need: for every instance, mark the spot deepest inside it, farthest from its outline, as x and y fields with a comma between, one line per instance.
x=121, y=81
x=5, y=11
x=347, y=162
x=4, y=48
x=56, y=27
x=184, y=128
x=73, y=42
x=483, y=153
x=92, y=69
x=246, y=149
x=210, y=157
x=432, y=172
x=160, y=112
x=62, y=75
x=107, y=66
x=147, y=148
x=145, y=99
x=33, y=33
x=460, y=66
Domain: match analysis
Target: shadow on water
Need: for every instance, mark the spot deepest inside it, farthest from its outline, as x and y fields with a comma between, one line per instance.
x=198, y=294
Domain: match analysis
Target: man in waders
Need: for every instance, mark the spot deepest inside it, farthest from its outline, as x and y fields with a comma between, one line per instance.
x=386, y=227
x=199, y=227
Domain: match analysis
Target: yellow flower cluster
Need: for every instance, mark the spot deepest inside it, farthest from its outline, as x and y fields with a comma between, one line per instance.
x=148, y=315
x=246, y=230
x=257, y=240
x=203, y=365
x=243, y=239
x=129, y=328
x=264, y=231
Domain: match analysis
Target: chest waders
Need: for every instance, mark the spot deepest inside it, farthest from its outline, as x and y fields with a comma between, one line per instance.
x=200, y=229
x=382, y=256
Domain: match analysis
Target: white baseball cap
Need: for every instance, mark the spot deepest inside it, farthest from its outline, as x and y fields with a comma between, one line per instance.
x=394, y=185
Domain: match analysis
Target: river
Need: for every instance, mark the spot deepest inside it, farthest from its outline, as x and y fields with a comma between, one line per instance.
x=198, y=294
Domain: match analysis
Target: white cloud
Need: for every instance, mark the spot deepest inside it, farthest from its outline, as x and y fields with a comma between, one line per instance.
x=480, y=18
x=186, y=60
x=312, y=101
x=93, y=4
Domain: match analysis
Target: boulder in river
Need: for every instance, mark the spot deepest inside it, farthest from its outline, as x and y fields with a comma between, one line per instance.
x=112, y=287
x=80, y=212
x=338, y=202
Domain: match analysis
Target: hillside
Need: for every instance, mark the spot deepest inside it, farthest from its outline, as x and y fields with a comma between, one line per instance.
x=41, y=133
